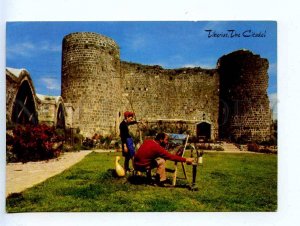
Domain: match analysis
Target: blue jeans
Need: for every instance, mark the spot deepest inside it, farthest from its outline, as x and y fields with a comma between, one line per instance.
x=130, y=146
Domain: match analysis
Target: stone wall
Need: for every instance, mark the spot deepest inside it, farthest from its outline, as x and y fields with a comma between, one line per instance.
x=189, y=95
x=49, y=108
x=47, y=111
x=11, y=92
x=245, y=112
x=91, y=81
x=69, y=111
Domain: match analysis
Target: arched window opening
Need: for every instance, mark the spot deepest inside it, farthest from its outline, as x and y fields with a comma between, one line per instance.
x=24, y=111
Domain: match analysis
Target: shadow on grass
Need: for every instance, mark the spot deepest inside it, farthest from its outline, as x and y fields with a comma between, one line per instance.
x=14, y=199
x=143, y=180
x=139, y=180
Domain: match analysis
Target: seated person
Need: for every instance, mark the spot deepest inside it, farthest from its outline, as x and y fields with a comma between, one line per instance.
x=152, y=154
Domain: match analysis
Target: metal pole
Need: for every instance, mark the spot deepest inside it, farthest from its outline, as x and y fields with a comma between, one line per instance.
x=195, y=164
x=194, y=186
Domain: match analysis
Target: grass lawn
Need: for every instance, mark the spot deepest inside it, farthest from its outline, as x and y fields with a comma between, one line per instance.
x=226, y=182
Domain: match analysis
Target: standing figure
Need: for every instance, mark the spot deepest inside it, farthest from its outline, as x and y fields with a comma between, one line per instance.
x=128, y=149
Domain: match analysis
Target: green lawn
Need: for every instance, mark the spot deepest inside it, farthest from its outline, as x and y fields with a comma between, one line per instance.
x=226, y=182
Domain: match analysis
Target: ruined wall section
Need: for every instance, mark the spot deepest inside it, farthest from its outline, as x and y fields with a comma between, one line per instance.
x=91, y=81
x=47, y=109
x=15, y=78
x=245, y=113
x=187, y=94
x=11, y=91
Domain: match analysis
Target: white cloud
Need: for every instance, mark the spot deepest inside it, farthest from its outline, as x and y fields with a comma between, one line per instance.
x=21, y=49
x=190, y=65
x=273, y=104
x=50, y=83
x=27, y=49
x=208, y=63
x=46, y=46
x=205, y=66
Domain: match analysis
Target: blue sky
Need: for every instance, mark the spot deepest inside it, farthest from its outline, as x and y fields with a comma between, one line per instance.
x=36, y=46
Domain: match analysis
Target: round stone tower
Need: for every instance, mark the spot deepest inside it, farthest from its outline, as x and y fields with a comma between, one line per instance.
x=91, y=81
x=244, y=114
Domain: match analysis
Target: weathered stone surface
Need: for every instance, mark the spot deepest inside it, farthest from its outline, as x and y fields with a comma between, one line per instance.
x=46, y=109
x=188, y=94
x=21, y=101
x=91, y=81
x=245, y=111
x=101, y=88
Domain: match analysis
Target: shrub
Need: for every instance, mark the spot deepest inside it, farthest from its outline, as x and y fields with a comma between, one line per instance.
x=204, y=146
x=77, y=138
x=253, y=147
x=269, y=142
x=88, y=143
x=35, y=142
x=10, y=156
x=261, y=149
x=67, y=147
x=193, y=139
x=219, y=148
x=60, y=132
x=117, y=143
x=107, y=140
x=160, y=126
x=99, y=141
x=265, y=150
x=136, y=138
x=244, y=139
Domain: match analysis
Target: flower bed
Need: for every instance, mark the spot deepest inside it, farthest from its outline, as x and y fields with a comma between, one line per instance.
x=33, y=143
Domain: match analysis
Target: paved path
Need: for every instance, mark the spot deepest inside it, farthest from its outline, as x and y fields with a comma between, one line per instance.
x=21, y=176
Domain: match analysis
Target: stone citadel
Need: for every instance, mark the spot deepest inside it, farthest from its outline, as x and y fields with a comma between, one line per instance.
x=228, y=102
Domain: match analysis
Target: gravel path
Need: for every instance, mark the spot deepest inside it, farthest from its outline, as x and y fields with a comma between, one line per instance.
x=21, y=176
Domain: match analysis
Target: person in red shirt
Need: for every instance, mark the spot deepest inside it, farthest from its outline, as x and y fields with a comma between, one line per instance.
x=152, y=154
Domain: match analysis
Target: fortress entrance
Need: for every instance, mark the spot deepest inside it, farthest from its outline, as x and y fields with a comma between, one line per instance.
x=204, y=130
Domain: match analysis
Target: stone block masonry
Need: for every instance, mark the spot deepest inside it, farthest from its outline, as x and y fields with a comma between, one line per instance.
x=243, y=89
x=186, y=94
x=227, y=102
x=91, y=81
